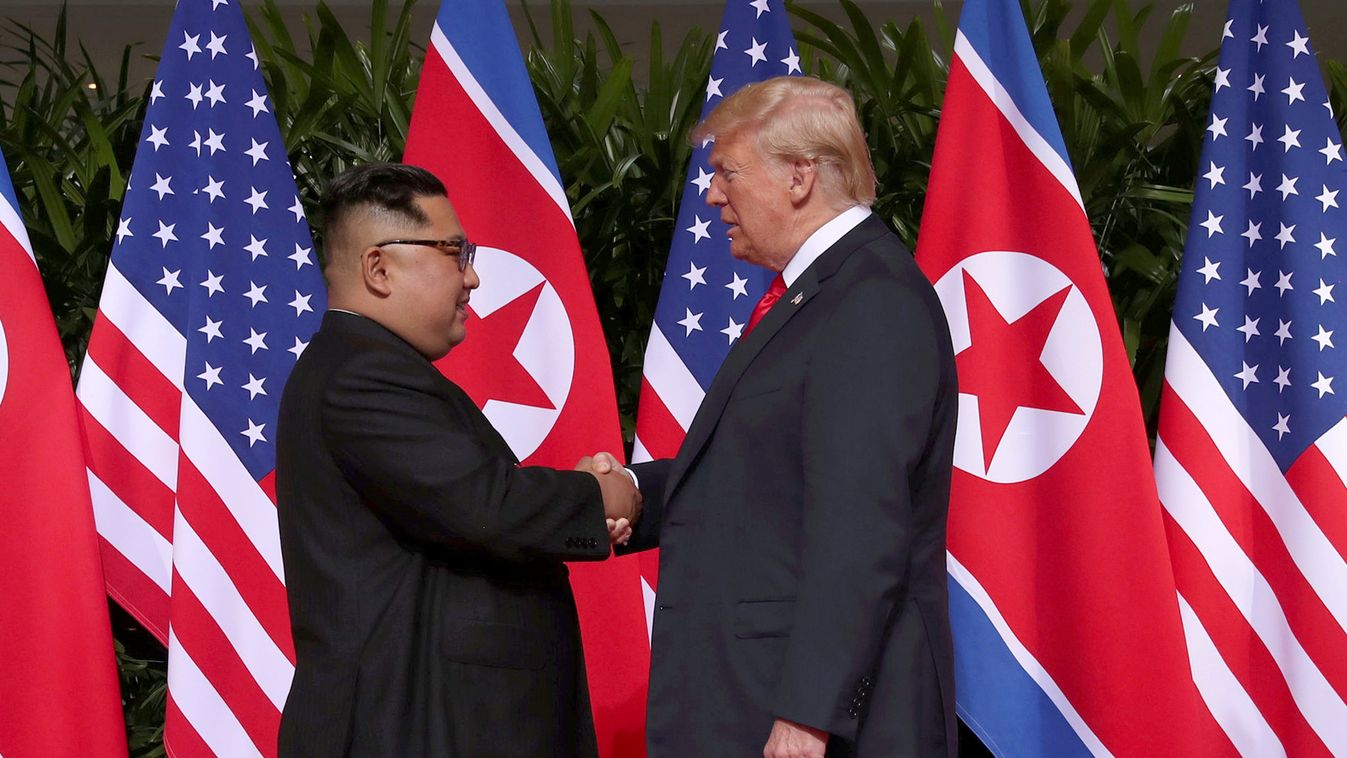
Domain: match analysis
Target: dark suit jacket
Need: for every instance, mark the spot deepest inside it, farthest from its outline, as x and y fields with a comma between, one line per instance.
x=802, y=525
x=431, y=612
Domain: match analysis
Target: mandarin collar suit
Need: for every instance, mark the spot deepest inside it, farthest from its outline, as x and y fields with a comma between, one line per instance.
x=801, y=526
x=429, y=604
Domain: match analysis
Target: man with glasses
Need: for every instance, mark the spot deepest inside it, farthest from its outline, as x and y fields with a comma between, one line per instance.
x=429, y=604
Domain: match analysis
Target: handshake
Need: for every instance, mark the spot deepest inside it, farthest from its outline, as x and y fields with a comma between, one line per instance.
x=621, y=499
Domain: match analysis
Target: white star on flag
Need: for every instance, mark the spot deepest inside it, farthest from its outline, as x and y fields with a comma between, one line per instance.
x=258, y=104
x=256, y=200
x=1283, y=332
x=254, y=386
x=695, y=275
x=215, y=46
x=699, y=229
x=703, y=180
x=254, y=433
x=756, y=52
x=170, y=281
x=158, y=137
x=211, y=376
x=691, y=322
x=256, y=340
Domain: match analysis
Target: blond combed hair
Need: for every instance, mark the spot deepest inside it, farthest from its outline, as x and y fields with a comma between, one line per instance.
x=798, y=117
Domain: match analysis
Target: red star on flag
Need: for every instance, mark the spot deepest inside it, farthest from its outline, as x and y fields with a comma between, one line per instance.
x=491, y=344
x=1004, y=358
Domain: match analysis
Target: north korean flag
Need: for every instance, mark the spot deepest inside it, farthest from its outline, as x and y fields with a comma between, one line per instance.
x=535, y=360
x=58, y=677
x=1068, y=639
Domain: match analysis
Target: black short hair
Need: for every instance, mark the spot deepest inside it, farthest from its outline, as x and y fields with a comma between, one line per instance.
x=389, y=187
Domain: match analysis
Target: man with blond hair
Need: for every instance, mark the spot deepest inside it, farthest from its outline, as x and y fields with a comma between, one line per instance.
x=802, y=606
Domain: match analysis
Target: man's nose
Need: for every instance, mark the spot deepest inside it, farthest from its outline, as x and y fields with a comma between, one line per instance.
x=714, y=195
x=470, y=279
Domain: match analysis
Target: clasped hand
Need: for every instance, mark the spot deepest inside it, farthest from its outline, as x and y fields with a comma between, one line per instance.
x=621, y=499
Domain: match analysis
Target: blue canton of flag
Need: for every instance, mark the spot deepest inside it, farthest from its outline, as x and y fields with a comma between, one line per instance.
x=708, y=295
x=213, y=233
x=1257, y=296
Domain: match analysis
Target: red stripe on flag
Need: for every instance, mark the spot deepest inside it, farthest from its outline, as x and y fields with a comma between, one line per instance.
x=214, y=654
x=123, y=362
x=659, y=431
x=1310, y=620
x=135, y=592
x=1322, y=491
x=1240, y=647
x=268, y=485
x=130, y=481
x=238, y=556
x=180, y=739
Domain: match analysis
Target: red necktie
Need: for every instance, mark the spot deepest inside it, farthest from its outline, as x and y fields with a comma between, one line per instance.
x=769, y=299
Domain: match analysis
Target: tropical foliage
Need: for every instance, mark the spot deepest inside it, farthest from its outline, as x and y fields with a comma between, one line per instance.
x=1132, y=108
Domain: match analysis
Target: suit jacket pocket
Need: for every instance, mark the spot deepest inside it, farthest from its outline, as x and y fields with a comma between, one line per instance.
x=755, y=390
x=485, y=643
x=754, y=619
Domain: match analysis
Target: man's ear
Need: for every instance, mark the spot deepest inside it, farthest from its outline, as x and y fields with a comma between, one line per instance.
x=374, y=271
x=803, y=178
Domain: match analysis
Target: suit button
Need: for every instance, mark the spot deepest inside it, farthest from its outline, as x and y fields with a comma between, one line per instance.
x=865, y=681
x=593, y=542
x=570, y=542
x=851, y=712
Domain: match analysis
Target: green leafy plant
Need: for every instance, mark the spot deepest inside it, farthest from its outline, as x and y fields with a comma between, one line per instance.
x=345, y=101
x=898, y=79
x=69, y=135
x=623, y=151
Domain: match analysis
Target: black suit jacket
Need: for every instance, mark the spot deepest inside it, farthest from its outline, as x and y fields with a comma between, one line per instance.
x=802, y=525
x=430, y=609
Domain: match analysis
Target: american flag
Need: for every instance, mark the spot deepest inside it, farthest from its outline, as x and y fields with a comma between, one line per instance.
x=1252, y=451
x=707, y=295
x=210, y=297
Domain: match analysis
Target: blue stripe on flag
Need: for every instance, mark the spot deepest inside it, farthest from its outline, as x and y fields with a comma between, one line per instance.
x=478, y=30
x=996, y=696
x=1012, y=61
x=7, y=186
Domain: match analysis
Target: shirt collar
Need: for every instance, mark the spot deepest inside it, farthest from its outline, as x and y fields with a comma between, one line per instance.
x=825, y=237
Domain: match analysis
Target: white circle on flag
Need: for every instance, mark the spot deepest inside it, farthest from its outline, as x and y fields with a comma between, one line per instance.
x=546, y=348
x=4, y=362
x=1015, y=283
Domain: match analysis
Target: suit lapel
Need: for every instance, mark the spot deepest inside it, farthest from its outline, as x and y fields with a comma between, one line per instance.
x=736, y=363
x=746, y=350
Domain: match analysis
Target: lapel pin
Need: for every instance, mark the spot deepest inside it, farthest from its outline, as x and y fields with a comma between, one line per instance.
x=797, y=299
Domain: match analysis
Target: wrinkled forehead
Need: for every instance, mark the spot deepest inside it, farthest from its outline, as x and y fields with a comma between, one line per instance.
x=736, y=147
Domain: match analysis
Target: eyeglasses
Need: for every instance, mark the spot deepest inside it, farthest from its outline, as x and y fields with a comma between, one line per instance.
x=465, y=251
